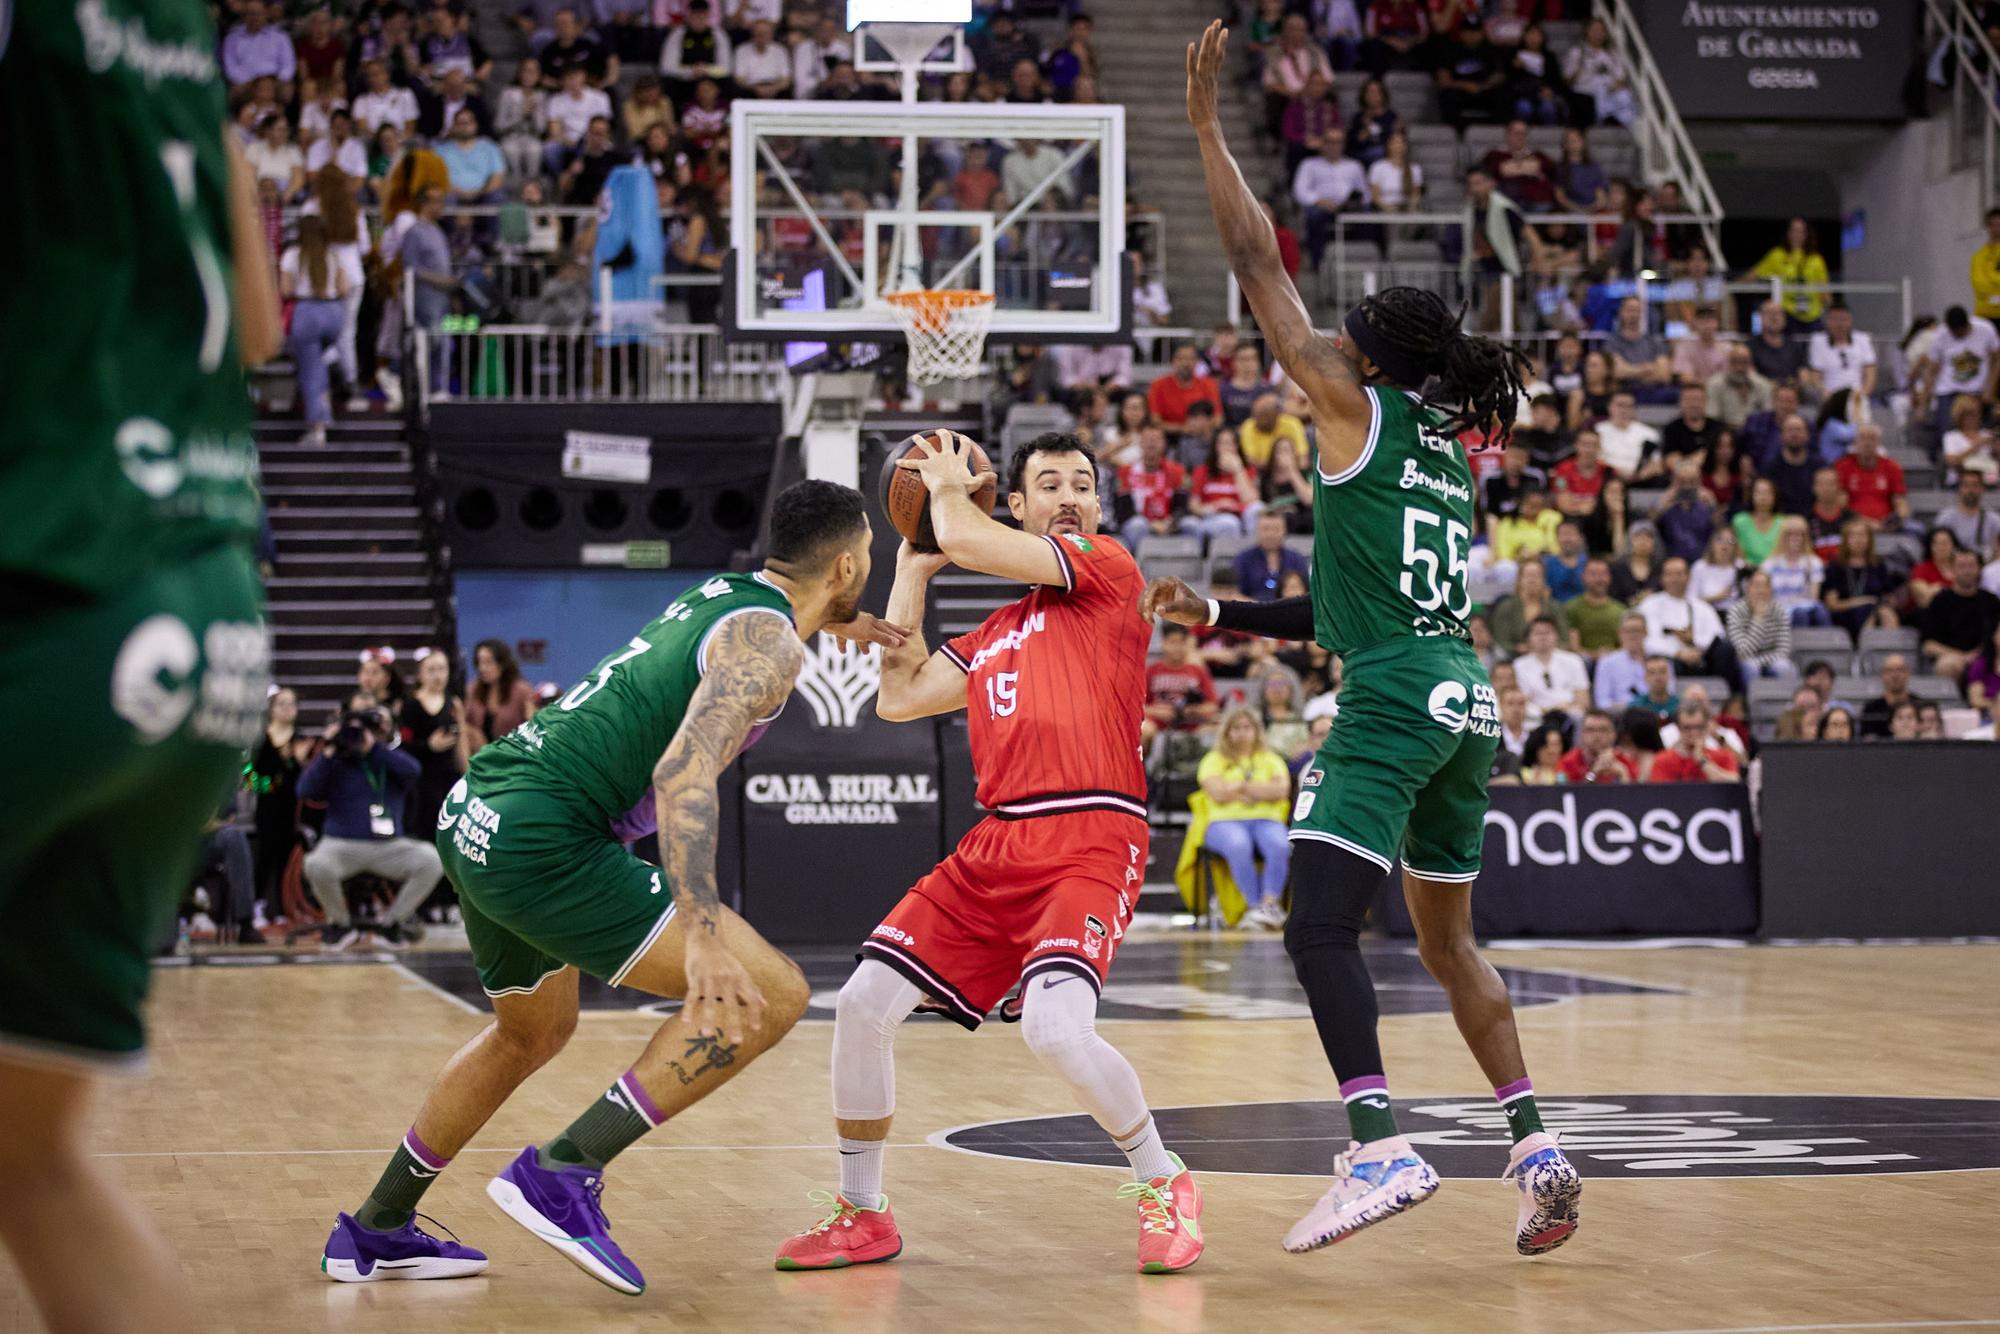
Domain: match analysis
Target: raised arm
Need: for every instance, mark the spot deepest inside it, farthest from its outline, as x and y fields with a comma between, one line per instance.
x=753, y=661
x=967, y=536
x=1310, y=358
x=916, y=683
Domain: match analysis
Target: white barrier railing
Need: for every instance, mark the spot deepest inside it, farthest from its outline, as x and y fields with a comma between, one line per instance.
x=1666, y=153
x=683, y=363
x=1975, y=88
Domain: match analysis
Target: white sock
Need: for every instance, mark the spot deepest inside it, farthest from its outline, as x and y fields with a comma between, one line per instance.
x=1147, y=1154
x=861, y=1172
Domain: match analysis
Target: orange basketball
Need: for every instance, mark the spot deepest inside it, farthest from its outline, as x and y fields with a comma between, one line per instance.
x=907, y=501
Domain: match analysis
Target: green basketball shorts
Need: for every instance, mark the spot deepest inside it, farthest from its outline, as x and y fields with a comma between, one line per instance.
x=128, y=720
x=1403, y=772
x=541, y=890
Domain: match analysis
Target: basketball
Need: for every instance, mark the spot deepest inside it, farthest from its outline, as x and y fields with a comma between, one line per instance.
x=907, y=501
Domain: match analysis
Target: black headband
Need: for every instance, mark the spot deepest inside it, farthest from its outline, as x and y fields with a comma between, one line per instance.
x=1399, y=369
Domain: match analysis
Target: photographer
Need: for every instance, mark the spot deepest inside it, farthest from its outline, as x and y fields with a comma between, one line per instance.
x=364, y=784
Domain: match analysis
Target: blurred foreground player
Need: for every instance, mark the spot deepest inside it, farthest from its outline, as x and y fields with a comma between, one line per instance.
x=1039, y=893
x=132, y=647
x=534, y=839
x=1403, y=772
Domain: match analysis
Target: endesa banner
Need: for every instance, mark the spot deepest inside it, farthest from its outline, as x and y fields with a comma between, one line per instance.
x=1666, y=859
x=1783, y=61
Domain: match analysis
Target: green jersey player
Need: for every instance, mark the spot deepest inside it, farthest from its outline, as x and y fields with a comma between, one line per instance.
x=534, y=839
x=1403, y=772
x=133, y=656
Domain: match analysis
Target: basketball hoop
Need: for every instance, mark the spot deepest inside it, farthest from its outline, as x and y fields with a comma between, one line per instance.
x=946, y=330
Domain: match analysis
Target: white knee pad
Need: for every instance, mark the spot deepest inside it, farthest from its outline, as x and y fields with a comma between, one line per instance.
x=1059, y=1024
x=874, y=1001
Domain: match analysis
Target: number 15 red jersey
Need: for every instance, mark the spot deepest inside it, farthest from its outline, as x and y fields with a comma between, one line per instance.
x=1056, y=687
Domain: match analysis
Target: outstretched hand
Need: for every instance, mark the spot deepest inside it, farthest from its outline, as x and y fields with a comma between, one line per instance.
x=866, y=629
x=1204, y=69
x=947, y=467
x=1172, y=600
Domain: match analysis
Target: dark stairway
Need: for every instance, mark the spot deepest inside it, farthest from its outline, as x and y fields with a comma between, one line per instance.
x=357, y=562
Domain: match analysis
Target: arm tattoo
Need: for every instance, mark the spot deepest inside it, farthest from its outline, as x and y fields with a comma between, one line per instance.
x=753, y=661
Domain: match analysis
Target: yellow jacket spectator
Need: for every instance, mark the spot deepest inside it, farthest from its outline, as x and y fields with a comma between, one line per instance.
x=1797, y=262
x=1529, y=531
x=1266, y=425
x=1986, y=271
x=1248, y=786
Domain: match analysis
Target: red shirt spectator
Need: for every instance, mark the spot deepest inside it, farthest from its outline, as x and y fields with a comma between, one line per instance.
x=1871, y=485
x=1179, y=691
x=1576, y=768
x=1571, y=478
x=1670, y=766
x=1152, y=489
x=1170, y=394
x=320, y=51
x=1219, y=489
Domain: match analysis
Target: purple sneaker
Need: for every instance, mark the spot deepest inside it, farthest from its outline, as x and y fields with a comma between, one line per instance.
x=354, y=1254
x=565, y=1208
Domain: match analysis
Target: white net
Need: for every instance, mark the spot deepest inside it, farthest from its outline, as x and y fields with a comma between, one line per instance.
x=946, y=331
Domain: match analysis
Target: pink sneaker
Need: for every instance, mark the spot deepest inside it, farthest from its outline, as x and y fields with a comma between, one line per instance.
x=1371, y=1182
x=1169, y=1220
x=1550, y=1189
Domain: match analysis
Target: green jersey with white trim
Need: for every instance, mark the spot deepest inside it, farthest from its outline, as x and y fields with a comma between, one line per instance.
x=595, y=748
x=1393, y=532
x=125, y=429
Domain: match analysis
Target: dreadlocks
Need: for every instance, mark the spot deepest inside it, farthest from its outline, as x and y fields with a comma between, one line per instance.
x=1474, y=382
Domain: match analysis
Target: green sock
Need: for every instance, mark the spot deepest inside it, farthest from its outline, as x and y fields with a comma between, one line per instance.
x=1517, y=1100
x=606, y=1129
x=1368, y=1114
x=408, y=1175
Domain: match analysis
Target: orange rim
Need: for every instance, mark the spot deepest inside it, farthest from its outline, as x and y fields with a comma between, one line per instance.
x=928, y=309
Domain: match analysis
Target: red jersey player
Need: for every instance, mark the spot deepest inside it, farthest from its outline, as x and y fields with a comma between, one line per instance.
x=1040, y=892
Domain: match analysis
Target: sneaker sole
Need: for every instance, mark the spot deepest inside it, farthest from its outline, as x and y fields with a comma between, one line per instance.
x=1422, y=1188
x=791, y=1266
x=1558, y=1188
x=349, y=1271
x=515, y=1205
x=1161, y=1267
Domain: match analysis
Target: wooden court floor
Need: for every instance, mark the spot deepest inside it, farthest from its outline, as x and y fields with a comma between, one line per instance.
x=276, y=1091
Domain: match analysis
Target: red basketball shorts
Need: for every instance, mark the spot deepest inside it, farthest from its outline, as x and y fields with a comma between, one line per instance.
x=1018, y=897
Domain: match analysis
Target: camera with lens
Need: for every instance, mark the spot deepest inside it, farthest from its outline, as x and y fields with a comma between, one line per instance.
x=350, y=738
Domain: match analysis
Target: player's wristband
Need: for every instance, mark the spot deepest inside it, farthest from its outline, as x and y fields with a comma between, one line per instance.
x=1214, y=611
x=1286, y=618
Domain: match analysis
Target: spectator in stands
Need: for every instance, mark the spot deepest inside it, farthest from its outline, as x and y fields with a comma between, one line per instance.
x=1875, y=714
x=272, y=774
x=1002, y=46
x=1075, y=59
x=1565, y=565
x=1502, y=242
x=1761, y=430
x=1800, y=720
x=254, y=50
x=1030, y=163
x=1471, y=77
x=523, y=120
x=1512, y=616
x=1223, y=496
x=384, y=103
x=1327, y=186
x=1684, y=518
x=1261, y=570
x=1248, y=786
x=1395, y=182
x=1982, y=674
x=1596, y=71
x=1960, y=621
x=1289, y=68
x=1621, y=674
x=590, y=164
x=1838, y=357
x=1968, y=444
x=1702, y=357
x=1696, y=754
x=431, y=719
x=1373, y=122
x=1245, y=385
x=762, y=67
x=499, y=700
x=364, y=785
x=1522, y=172
x=705, y=118
x=1985, y=271
x=1656, y=695
x=1797, y=263
x=1286, y=490
x=1397, y=31
x=275, y=158
x=1796, y=573
x=449, y=45
x=320, y=53
x=474, y=164
x=1639, y=742
x=1024, y=83
x=441, y=106
x=1514, y=724
x=1686, y=629
x=1578, y=481
x=1535, y=84
x=1501, y=494
x=1169, y=396
x=1738, y=390
x=1874, y=482
x=1715, y=577
x=1760, y=630
x=813, y=56
x=1976, y=527
x=646, y=110
x=694, y=51
x=1541, y=756
x=1307, y=118
x=1180, y=694
x=570, y=114
x=1546, y=442
x=1639, y=359
x=1903, y=724
x=1835, y=724
x=1692, y=434
x=1155, y=487
x=1794, y=469
x=1151, y=307
x=1631, y=448
x=1594, y=616
x=1282, y=698
x=1778, y=357
x=1860, y=590
x=1120, y=445
x=1932, y=575
x=1726, y=476
x=1758, y=525
x=1637, y=571
x=1580, y=182
x=1555, y=680
x=1964, y=358
x=1595, y=758
x=1266, y=426
x=1528, y=534
x=573, y=47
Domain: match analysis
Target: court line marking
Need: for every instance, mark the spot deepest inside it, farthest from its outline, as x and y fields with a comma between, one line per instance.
x=379, y=1150
x=1873, y=1324
x=428, y=985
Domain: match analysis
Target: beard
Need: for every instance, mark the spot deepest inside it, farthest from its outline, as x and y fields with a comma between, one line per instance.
x=843, y=609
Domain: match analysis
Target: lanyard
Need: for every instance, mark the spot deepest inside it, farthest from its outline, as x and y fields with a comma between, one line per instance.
x=375, y=781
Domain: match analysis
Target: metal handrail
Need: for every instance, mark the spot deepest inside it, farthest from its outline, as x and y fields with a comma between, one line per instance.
x=1665, y=150
x=1977, y=79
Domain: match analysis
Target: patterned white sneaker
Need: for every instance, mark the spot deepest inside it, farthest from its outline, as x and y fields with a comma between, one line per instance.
x=1550, y=1189
x=1371, y=1182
